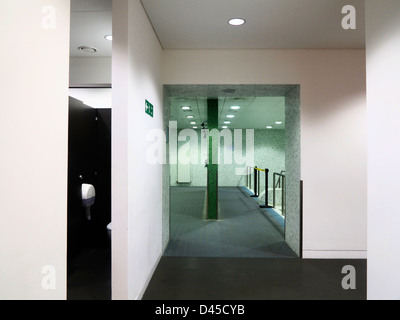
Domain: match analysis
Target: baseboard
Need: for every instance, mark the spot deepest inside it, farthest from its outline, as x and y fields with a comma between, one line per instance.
x=334, y=254
x=140, y=296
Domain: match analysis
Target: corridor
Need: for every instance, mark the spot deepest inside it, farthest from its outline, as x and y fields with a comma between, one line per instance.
x=242, y=230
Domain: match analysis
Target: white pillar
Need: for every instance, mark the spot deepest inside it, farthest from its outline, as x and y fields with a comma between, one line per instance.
x=34, y=64
x=383, y=70
x=136, y=183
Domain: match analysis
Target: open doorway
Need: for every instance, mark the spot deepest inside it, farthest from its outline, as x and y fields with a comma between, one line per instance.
x=89, y=152
x=89, y=166
x=258, y=122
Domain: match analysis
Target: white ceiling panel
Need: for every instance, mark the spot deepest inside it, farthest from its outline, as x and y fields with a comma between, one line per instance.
x=261, y=112
x=202, y=24
x=91, y=21
x=91, y=5
x=198, y=109
x=292, y=24
x=254, y=112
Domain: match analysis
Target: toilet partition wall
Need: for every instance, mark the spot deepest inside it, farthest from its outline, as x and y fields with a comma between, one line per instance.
x=89, y=161
x=81, y=150
x=103, y=177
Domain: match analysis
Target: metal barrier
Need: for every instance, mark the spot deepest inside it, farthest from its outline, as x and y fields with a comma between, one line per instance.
x=257, y=172
x=255, y=180
x=280, y=182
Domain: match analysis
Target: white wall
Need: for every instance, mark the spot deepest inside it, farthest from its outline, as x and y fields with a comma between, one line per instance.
x=383, y=69
x=269, y=152
x=33, y=142
x=333, y=141
x=90, y=71
x=137, y=185
x=98, y=98
x=119, y=145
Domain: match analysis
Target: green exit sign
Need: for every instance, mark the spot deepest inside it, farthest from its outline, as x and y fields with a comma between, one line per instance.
x=149, y=108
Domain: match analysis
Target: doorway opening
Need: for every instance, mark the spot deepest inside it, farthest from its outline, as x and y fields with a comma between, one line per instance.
x=89, y=152
x=89, y=168
x=247, y=202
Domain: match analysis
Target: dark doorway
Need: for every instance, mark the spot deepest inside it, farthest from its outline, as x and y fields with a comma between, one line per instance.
x=89, y=162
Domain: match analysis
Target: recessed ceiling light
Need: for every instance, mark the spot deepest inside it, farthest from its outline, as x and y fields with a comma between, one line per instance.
x=236, y=21
x=185, y=108
x=87, y=49
x=227, y=122
x=230, y=116
x=193, y=122
x=194, y=127
x=108, y=37
x=269, y=127
x=278, y=122
x=190, y=117
x=235, y=107
x=224, y=127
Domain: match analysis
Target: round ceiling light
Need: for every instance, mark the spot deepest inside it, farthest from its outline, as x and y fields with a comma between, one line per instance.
x=108, y=37
x=236, y=21
x=87, y=49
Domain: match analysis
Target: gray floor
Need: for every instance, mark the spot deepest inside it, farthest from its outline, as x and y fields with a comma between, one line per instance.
x=185, y=278
x=231, y=259
x=89, y=275
x=243, y=229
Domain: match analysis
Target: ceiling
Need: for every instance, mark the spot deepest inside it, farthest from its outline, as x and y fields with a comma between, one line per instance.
x=91, y=20
x=254, y=112
x=270, y=24
x=260, y=105
x=202, y=24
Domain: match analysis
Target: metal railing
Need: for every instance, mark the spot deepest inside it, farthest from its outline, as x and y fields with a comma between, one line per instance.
x=279, y=183
x=257, y=172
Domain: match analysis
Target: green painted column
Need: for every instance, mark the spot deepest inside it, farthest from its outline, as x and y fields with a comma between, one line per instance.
x=212, y=167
